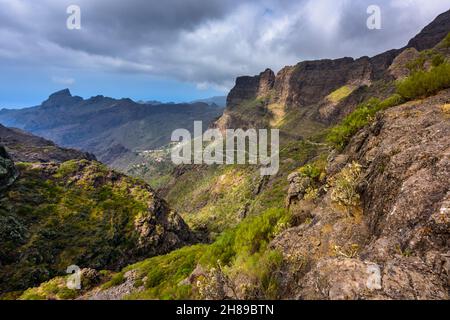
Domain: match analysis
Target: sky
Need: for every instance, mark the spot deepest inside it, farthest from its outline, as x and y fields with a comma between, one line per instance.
x=181, y=50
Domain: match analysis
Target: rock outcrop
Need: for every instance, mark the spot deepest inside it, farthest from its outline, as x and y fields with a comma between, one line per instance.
x=301, y=87
x=432, y=34
x=397, y=244
x=305, y=87
x=249, y=88
x=59, y=213
x=399, y=67
x=25, y=147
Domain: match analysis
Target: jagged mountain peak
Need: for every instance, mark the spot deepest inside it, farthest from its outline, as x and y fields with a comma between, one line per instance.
x=61, y=93
x=60, y=99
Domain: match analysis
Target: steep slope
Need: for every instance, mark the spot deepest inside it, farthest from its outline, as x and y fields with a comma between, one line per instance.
x=58, y=213
x=432, y=34
x=397, y=235
x=25, y=147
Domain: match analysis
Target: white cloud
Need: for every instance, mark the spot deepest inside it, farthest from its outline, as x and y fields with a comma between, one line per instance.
x=65, y=81
x=207, y=43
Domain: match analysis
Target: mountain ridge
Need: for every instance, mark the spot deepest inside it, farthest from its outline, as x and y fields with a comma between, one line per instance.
x=109, y=128
x=308, y=83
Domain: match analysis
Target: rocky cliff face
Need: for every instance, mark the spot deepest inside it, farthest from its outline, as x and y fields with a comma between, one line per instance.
x=316, y=88
x=295, y=88
x=396, y=245
x=432, y=34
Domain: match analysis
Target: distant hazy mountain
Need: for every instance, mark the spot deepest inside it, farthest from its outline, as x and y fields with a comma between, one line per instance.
x=109, y=128
x=152, y=102
x=219, y=101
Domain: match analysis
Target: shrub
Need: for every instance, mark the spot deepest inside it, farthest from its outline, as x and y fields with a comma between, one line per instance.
x=54, y=289
x=253, y=235
x=263, y=275
x=392, y=101
x=437, y=60
x=446, y=42
x=363, y=114
x=310, y=171
x=221, y=250
x=67, y=168
x=417, y=64
x=315, y=170
x=116, y=280
x=345, y=185
x=425, y=83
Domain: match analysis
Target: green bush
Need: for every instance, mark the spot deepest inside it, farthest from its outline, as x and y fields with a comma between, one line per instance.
x=243, y=247
x=446, y=42
x=254, y=234
x=263, y=272
x=116, y=280
x=222, y=250
x=417, y=64
x=251, y=236
x=363, y=114
x=161, y=275
x=311, y=171
x=392, y=101
x=425, y=56
x=437, y=60
x=425, y=83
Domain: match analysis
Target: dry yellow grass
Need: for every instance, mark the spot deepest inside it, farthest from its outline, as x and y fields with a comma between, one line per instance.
x=278, y=112
x=446, y=108
x=339, y=94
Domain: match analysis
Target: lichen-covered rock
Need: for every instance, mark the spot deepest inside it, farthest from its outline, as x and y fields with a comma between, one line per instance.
x=298, y=185
x=117, y=292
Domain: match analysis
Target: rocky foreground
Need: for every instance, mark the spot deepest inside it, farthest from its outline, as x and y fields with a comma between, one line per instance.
x=400, y=236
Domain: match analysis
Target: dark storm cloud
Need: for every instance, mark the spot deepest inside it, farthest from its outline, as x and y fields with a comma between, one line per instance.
x=207, y=42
